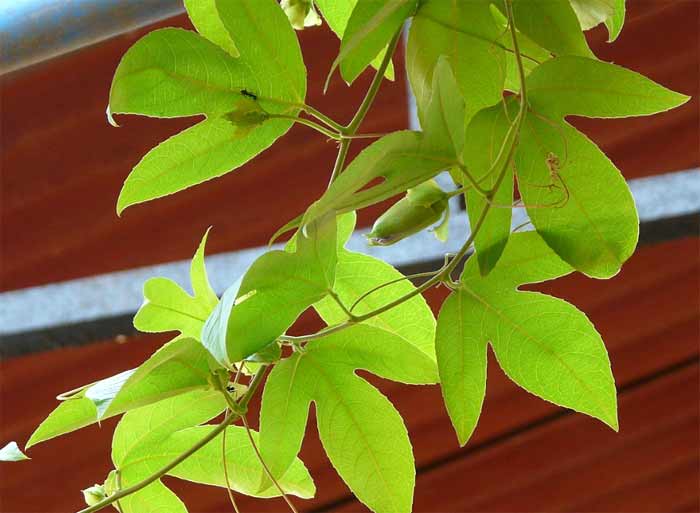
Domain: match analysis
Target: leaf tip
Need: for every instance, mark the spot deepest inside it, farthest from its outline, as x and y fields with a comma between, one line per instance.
x=110, y=117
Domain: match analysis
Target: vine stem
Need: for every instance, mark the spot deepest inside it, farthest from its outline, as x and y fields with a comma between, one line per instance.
x=241, y=405
x=508, y=148
x=351, y=129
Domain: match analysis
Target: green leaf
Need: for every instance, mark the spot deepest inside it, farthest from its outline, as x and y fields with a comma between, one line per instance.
x=544, y=344
x=532, y=54
x=139, y=435
x=180, y=366
x=486, y=136
x=242, y=464
x=168, y=307
x=593, y=223
x=361, y=432
x=337, y=13
x=461, y=357
x=593, y=228
x=142, y=430
x=616, y=21
x=278, y=283
x=553, y=25
x=206, y=19
x=172, y=72
x=591, y=13
x=444, y=120
x=154, y=498
x=12, y=452
x=585, y=87
x=370, y=28
x=467, y=35
x=404, y=159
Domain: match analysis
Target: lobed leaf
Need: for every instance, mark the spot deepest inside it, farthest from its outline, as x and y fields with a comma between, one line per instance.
x=180, y=366
x=580, y=86
x=467, y=35
x=553, y=25
x=487, y=138
x=205, y=17
x=361, y=432
x=369, y=29
x=172, y=72
x=168, y=307
x=337, y=14
x=283, y=283
x=243, y=466
x=544, y=344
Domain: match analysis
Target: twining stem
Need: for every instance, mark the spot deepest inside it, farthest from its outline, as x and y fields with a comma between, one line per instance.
x=265, y=467
x=362, y=110
x=231, y=498
x=502, y=164
x=241, y=405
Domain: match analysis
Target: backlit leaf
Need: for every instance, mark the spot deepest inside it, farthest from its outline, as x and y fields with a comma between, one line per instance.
x=168, y=307
x=277, y=288
x=361, y=432
x=371, y=26
x=586, y=87
x=553, y=25
x=173, y=72
x=205, y=17
x=180, y=366
x=466, y=34
x=544, y=344
x=337, y=13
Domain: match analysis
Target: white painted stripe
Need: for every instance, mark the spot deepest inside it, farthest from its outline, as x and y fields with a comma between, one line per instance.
x=120, y=293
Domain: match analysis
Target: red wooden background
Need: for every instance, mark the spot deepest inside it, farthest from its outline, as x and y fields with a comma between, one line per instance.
x=61, y=164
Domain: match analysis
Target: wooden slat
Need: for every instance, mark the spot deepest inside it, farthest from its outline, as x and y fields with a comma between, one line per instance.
x=574, y=465
x=63, y=165
x=658, y=286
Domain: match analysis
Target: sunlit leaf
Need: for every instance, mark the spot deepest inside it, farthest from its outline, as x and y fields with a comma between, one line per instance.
x=371, y=26
x=173, y=72
x=180, y=366
x=467, y=35
x=242, y=464
x=361, y=432
x=277, y=288
x=205, y=17
x=544, y=344
x=585, y=87
x=169, y=308
x=486, y=140
x=337, y=13
x=553, y=25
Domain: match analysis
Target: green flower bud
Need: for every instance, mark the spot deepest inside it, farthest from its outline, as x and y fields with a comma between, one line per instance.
x=94, y=494
x=301, y=13
x=422, y=207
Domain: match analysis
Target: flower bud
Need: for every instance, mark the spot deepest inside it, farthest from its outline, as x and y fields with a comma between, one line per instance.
x=301, y=13
x=420, y=208
x=94, y=494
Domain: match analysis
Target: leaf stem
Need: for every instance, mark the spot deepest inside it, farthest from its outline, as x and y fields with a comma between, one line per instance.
x=508, y=148
x=242, y=404
x=311, y=124
x=351, y=129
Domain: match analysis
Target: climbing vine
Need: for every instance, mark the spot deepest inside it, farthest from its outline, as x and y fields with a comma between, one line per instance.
x=494, y=82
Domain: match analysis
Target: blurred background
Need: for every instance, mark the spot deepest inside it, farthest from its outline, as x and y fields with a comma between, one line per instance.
x=71, y=272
